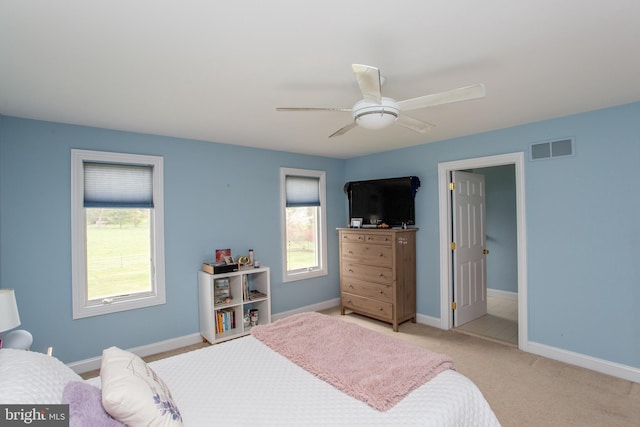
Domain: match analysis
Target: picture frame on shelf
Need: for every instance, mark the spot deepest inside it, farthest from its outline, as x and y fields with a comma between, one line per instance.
x=356, y=222
x=221, y=255
x=228, y=259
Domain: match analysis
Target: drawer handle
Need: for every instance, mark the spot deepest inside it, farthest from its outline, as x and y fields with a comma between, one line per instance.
x=381, y=255
x=380, y=274
x=350, y=270
x=350, y=285
x=349, y=301
x=351, y=252
x=381, y=309
x=381, y=292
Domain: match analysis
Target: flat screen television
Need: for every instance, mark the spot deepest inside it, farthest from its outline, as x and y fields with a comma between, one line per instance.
x=388, y=201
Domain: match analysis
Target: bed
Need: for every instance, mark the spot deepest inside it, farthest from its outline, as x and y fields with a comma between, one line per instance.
x=236, y=383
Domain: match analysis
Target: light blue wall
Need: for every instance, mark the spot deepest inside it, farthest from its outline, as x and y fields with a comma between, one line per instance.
x=501, y=223
x=216, y=196
x=582, y=250
x=583, y=235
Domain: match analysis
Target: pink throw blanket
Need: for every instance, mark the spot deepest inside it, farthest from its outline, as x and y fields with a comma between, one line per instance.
x=374, y=368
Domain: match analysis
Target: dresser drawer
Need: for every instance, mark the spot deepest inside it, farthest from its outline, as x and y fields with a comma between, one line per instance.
x=379, y=309
x=365, y=253
x=367, y=289
x=353, y=237
x=367, y=273
x=377, y=238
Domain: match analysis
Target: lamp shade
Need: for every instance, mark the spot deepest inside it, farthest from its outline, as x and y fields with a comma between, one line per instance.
x=9, y=317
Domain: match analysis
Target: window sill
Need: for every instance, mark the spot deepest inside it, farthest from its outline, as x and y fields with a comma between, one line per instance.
x=117, y=306
x=293, y=277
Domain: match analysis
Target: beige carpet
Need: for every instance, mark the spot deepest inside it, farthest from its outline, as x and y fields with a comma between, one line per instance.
x=524, y=389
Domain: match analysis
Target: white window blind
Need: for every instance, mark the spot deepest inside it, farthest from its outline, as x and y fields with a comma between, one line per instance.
x=109, y=185
x=302, y=191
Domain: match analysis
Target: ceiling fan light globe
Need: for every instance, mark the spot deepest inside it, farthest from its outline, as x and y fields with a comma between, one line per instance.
x=370, y=115
x=376, y=120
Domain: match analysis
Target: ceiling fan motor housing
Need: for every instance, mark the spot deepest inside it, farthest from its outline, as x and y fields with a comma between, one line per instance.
x=371, y=115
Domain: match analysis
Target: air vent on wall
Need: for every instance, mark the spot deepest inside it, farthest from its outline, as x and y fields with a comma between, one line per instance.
x=551, y=149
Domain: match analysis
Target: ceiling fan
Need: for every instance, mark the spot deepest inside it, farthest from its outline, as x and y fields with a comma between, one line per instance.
x=377, y=112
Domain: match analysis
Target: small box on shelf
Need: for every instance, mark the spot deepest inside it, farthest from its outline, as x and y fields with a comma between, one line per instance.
x=218, y=268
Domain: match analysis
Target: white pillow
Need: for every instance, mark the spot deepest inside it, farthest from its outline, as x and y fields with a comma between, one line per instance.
x=29, y=377
x=133, y=394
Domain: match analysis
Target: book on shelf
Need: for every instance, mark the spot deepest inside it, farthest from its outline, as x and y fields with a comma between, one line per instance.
x=245, y=288
x=225, y=320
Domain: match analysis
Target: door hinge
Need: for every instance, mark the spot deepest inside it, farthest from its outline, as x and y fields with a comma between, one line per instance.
x=454, y=306
x=452, y=186
x=453, y=246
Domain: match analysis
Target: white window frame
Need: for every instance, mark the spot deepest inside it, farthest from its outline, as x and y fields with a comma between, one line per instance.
x=81, y=305
x=290, y=276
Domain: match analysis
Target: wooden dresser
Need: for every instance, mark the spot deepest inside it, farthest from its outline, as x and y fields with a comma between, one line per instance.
x=378, y=273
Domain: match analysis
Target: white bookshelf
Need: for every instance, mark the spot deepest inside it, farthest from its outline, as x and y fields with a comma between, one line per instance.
x=222, y=319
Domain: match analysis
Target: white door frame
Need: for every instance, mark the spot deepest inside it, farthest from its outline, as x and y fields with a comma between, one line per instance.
x=444, y=198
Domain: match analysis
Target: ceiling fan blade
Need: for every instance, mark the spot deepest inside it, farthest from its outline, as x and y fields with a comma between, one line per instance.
x=312, y=109
x=414, y=124
x=369, y=81
x=455, y=95
x=344, y=129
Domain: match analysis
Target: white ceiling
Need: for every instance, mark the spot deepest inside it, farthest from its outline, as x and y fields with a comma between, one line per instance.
x=215, y=71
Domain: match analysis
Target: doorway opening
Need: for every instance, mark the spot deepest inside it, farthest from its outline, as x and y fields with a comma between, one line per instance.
x=446, y=232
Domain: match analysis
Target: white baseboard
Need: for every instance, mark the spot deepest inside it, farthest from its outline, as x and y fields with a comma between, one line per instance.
x=497, y=293
x=625, y=372
x=428, y=320
x=171, y=344
x=142, y=351
x=599, y=365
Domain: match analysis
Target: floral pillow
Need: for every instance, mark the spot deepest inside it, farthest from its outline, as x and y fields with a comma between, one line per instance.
x=133, y=394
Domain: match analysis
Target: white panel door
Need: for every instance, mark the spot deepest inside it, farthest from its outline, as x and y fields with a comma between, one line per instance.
x=469, y=255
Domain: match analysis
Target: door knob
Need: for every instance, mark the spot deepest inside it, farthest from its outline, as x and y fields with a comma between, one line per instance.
x=485, y=251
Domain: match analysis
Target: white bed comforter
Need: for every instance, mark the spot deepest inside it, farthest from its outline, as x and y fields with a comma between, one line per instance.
x=244, y=383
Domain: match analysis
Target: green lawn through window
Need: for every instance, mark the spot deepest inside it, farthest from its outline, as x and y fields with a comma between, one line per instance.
x=118, y=260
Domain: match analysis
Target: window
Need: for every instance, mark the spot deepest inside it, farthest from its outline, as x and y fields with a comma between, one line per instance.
x=117, y=229
x=303, y=223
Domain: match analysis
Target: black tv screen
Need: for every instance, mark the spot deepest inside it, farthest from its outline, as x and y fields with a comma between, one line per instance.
x=388, y=201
